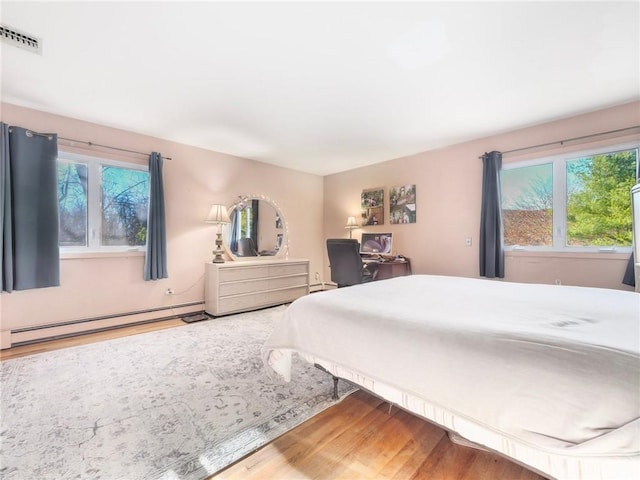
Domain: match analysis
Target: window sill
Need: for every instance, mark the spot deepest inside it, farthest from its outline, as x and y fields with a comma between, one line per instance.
x=582, y=255
x=85, y=255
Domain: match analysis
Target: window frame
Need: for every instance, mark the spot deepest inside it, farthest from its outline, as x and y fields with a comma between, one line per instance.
x=559, y=188
x=94, y=206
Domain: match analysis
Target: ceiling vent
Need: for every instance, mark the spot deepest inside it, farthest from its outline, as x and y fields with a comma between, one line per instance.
x=20, y=39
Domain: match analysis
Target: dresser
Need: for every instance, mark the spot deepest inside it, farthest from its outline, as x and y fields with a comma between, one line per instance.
x=239, y=286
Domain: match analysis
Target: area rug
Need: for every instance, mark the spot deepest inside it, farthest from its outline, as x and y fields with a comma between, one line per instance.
x=181, y=403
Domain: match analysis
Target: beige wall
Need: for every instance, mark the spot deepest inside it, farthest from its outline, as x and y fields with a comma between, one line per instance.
x=194, y=179
x=448, y=207
x=448, y=183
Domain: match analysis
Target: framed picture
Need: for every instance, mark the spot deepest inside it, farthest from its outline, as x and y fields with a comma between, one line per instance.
x=373, y=206
x=402, y=204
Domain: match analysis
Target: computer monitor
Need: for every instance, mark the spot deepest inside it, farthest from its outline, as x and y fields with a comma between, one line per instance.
x=376, y=243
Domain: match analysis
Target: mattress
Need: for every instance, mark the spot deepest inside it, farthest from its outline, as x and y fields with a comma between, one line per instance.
x=547, y=375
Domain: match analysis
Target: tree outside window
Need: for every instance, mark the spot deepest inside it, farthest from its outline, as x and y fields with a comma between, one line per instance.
x=125, y=197
x=527, y=205
x=584, y=200
x=72, y=201
x=102, y=204
x=598, y=202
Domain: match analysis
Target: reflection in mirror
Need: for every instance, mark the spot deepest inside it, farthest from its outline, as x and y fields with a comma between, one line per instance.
x=257, y=229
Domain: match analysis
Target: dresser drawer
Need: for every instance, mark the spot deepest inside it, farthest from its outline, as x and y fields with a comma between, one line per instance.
x=236, y=303
x=244, y=286
x=239, y=303
x=280, y=270
x=243, y=273
x=290, y=281
x=291, y=294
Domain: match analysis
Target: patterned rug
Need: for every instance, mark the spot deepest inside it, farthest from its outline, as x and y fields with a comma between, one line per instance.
x=180, y=403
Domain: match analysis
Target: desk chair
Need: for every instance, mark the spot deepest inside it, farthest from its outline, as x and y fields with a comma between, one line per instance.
x=346, y=264
x=246, y=248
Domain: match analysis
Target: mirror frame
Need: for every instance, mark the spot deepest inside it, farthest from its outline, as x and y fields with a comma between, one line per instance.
x=283, y=252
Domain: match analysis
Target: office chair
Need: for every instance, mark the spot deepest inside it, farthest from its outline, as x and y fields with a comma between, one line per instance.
x=246, y=248
x=346, y=264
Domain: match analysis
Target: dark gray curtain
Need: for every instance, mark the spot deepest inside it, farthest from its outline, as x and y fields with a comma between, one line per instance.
x=155, y=260
x=30, y=255
x=254, y=221
x=6, y=236
x=235, y=216
x=491, y=234
x=629, y=275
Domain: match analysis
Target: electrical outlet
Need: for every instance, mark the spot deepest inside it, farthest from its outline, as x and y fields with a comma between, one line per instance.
x=317, y=276
x=169, y=291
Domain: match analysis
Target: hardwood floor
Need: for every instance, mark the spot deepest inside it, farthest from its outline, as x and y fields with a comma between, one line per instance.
x=359, y=438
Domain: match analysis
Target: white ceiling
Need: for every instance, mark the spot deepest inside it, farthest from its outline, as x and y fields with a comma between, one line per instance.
x=322, y=87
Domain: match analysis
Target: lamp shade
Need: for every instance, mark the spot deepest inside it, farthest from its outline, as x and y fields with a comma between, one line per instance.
x=351, y=222
x=218, y=214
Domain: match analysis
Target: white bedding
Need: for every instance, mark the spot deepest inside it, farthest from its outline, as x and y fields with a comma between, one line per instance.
x=548, y=375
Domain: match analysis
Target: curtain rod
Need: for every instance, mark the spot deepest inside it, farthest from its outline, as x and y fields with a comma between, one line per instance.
x=562, y=142
x=91, y=144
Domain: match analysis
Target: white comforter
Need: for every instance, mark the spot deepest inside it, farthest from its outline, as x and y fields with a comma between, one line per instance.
x=556, y=367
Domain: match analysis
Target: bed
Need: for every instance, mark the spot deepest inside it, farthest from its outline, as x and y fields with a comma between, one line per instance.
x=546, y=375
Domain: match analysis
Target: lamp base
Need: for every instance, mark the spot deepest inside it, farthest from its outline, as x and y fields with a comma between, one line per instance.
x=218, y=251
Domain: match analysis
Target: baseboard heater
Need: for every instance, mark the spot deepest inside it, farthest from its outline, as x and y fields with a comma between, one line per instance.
x=88, y=322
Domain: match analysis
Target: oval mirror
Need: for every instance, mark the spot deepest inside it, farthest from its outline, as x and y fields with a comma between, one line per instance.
x=257, y=229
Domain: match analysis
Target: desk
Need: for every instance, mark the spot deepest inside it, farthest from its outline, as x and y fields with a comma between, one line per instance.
x=392, y=268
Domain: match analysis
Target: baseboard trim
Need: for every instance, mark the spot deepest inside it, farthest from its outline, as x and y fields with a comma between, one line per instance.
x=40, y=333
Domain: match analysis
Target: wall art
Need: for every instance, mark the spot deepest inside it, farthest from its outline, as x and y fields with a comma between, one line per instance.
x=402, y=204
x=373, y=207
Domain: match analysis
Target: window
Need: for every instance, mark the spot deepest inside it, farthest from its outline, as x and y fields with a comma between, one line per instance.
x=577, y=202
x=102, y=204
x=243, y=217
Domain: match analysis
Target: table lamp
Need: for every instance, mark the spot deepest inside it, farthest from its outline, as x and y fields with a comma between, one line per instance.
x=218, y=215
x=351, y=224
